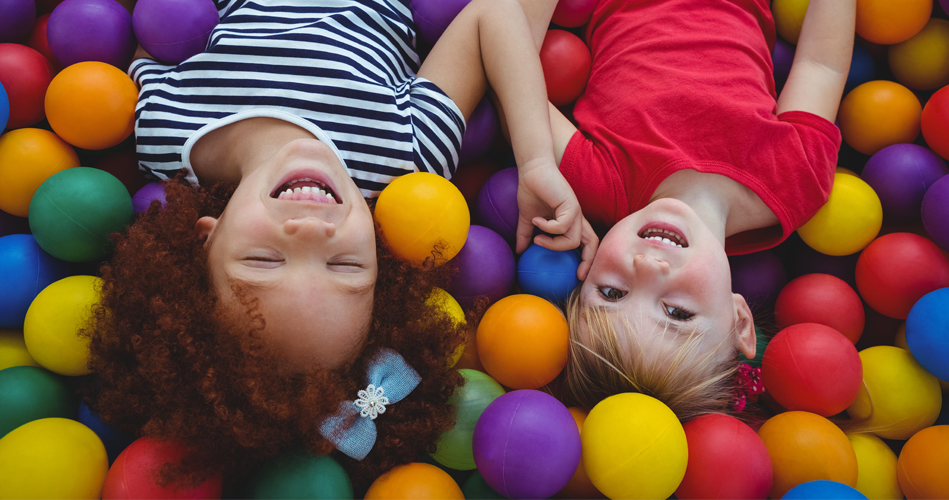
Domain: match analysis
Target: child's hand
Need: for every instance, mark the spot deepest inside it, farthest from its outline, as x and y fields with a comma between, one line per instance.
x=546, y=200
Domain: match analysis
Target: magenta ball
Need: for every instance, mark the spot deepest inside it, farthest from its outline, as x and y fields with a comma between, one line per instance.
x=782, y=56
x=935, y=210
x=496, y=207
x=16, y=19
x=91, y=30
x=174, y=30
x=758, y=277
x=480, y=131
x=526, y=445
x=144, y=196
x=900, y=175
x=433, y=16
x=485, y=266
x=573, y=13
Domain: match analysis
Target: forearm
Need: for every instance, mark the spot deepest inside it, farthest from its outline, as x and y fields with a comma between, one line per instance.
x=827, y=34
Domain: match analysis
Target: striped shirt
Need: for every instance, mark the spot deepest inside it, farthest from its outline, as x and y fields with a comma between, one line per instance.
x=346, y=66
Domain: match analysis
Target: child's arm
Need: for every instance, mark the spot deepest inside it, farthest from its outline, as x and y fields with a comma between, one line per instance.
x=491, y=42
x=821, y=60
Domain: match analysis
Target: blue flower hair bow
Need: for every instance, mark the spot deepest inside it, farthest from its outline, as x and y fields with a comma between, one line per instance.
x=352, y=428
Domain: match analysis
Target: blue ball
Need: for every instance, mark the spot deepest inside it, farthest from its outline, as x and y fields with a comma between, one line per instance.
x=114, y=440
x=862, y=68
x=823, y=489
x=548, y=273
x=26, y=270
x=927, y=332
x=4, y=108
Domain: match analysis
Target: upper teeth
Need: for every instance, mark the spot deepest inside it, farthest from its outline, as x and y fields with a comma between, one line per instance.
x=657, y=237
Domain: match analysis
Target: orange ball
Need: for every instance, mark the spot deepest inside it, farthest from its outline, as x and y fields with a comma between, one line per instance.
x=924, y=460
x=523, y=341
x=580, y=485
x=29, y=156
x=878, y=114
x=806, y=447
x=415, y=481
x=91, y=105
x=888, y=21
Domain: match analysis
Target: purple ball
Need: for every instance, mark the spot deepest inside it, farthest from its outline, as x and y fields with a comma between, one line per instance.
x=174, y=30
x=810, y=261
x=782, y=56
x=758, y=277
x=91, y=30
x=485, y=268
x=16, y=19
x=144, y=196
x=480, y=131
x=935, y=212
x=496, y=207
x=526, y=445
x=433, y=16
x=944, y=4
x=900, y=174
x=11, y=224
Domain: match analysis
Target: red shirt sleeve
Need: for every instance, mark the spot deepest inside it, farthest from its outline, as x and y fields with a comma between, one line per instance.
x=596, y=180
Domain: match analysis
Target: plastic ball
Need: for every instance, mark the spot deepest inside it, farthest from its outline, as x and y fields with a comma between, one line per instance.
x=38, y=41
x=824, y=299
x=486, y=268
x=878, y=114
x=433, y=16
x=133, y=474
x=75, y=211
x=53, y=323
x=579, y=485
x=44, y=153
x=448, y=306
x=52, y=458
x=550, y=274
x=497, y=204
x=26, y=270
x=415, y=481
x=758, y=277
x=476, y=487
x=454, y=447
x=900, y=175
x=876, y=467
x=423, y=217
x=526, y=445
x=470, y=178
x=727, y=459
x=822, y=489
x=806, y=447
x=143, y=198
x=297, y=473
x=788, y=18
x=91, y=30
x=91, y=105
x=566, y=62
x=935, y=122
x=862, y=68
x=848, y=222
x=16, y=18
x=922, y=62
x=927, y=332
x=923, y=462
x=13, y=351
x=174, y=30
x=887, y=22
x=899, y=397
x=114, y=440
x=4, y=108
x=934, y=208
x=634, y=447
x=812, y=367
x=480, y=131
x=781, y=57
x=523, y=341
x=897, y=269
x=28, y=393
x=25, y=75
x=573, y=13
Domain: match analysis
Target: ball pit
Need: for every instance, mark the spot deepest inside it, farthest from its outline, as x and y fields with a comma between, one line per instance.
x=823, y=489
x=848, y=222
x=455, y=445
x=153, y=191
x=573, y=13
x=174, y=30
x=415, y=481
x=824, y=299
x=91, y=30
x=480, y=131
x=26, y=270
x=927, y=332
x=28, y=393
x=25, y=75
x=876, y=466
x=13, y=351
x=133, y=474
x=922, y=62
x=580, y=485
x=46, y=154
x=4, y=108
x=114, y=440
x=934, y=207
x=862, y=68
x=923, y=462
x=900, y=175
x=297, y=473
x=53, y=321
x=788, y=18
x=497, y=204
x=934, y=122
x=38, y=41
x=891, y=286
x=566, y=63
x=16, y=18
x=877, y=114
x=550, y=274
x=887, y=22
x=486, y=268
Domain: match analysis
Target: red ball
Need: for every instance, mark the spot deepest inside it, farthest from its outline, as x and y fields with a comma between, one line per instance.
x=25, y=75
x=897, y=269
x=133, y=474
x=935, y=122
x=812, y=367
x=566, y=61
x=37, y=40
x=727, y=459
x=824, y=299
x=573, y=13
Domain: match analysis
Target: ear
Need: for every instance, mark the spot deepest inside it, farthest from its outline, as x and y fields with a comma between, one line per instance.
x=204, y=227
x=745, y=325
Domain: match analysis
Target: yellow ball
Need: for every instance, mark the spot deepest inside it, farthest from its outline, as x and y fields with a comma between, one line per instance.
x=789, y=17
x=898, y=397
x=450, y=307
x=848, y=222
x=634, y=447
x=29, y=156
x=876, y=467
x=52, y=324
x=13, y=350
x=423, y=217
x=52, y=458
x=922, y=62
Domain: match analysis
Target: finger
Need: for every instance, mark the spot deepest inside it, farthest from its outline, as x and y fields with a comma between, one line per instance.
x=590, y=243
x=559, y=243
x=523, y=235
x=552, y=226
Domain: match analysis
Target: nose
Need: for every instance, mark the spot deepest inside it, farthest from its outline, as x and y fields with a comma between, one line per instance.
x=650, y=266
x=309, y=227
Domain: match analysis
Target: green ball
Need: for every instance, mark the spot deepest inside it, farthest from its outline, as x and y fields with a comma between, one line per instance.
x=476, y=488
x=28, y=393
x=454, y=445
x=73, y=213
x=297, y=473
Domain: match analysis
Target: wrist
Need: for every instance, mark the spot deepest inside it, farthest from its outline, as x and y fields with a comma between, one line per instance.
x=543, y=163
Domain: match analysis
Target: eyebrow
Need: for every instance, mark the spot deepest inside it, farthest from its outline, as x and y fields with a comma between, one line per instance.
x=260, y=285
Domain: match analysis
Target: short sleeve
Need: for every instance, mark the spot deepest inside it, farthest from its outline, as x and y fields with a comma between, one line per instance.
x=438, y=127
x=820, y=142
x=596, y=181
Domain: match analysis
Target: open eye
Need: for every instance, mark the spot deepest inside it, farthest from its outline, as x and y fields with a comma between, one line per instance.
x=678, y=314
x=611, y=294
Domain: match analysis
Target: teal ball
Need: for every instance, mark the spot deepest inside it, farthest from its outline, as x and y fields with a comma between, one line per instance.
x=29, y=393
x=297, y=473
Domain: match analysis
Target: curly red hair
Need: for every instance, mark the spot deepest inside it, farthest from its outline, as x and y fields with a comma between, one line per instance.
x=169, y=365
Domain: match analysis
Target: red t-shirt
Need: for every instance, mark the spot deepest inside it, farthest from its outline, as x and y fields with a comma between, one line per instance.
x=680, y=84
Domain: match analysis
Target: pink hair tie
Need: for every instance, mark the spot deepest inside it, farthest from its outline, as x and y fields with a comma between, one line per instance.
x=748, y=386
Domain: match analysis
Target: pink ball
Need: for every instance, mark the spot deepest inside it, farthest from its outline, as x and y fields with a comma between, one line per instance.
x=573, y=13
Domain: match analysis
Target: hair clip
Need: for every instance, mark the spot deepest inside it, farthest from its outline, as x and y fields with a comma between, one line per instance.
x=748, y=386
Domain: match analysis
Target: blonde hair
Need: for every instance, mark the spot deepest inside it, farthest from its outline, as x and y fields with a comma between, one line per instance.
x=687, y=380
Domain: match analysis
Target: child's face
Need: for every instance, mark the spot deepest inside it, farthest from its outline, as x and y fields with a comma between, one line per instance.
x=680, y=285
x=309, y=259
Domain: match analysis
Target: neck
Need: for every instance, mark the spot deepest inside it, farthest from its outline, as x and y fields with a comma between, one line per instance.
x=231, y=153
x=709, y=205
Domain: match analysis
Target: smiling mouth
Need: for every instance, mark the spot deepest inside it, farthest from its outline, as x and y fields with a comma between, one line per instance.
x=306, y=189
x=665, y=236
